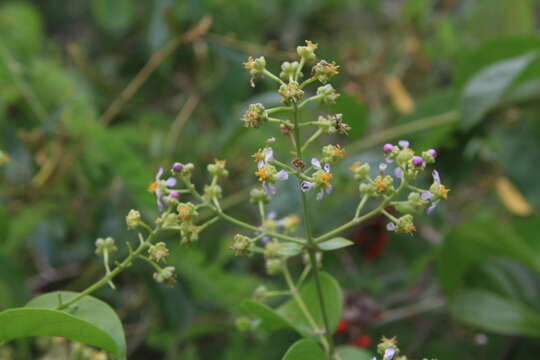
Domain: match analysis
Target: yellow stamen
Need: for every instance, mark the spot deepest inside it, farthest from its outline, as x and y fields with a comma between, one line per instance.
x=443, y=191
x=152, y=187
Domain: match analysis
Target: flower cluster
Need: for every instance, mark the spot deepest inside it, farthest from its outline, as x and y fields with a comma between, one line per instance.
x=183, y=209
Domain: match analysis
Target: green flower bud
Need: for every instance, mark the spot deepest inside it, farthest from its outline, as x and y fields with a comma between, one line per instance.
x=260, y=293
x=254, y=116
x=307, y=52
x=166, y=275
x=186, y=211
x=218, y=168
x=324, y=71
x=368, y=190
x=255, y=66
x=258, y=195
x=189, y=233
x=273, y=266
x=332, y=153
x=290, y=223
x=290, y=93
x=327, y=94
x=241, y=245
x=158, y=252
x=133, y=219
x=213, y=191
x=106, y=244
x=307, y=259
x=360, y=170
x=289, y=69
x=167, y=220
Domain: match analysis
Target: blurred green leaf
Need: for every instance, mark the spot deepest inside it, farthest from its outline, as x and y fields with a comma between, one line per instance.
x=471, y=243
x=347, y=352
x=114, y=16
x=90, y=321
x=305, y=350
x=333, y=300
x=270, y=319
x=334, y=244
x=21, y=28
x=488, y=86
x=495, y=313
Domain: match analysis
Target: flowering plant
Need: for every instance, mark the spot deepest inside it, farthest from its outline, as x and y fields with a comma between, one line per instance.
x=311, y=303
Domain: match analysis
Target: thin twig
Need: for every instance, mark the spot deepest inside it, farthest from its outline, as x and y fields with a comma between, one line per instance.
x=180, y=121
x=155, y=60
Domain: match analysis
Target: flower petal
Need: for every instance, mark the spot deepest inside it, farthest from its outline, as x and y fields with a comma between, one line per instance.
x=320, y=195
x=390, y=226
x=403, y=143
x=260, y=164
x=398, y=172
x=327, y=167
x=329, y=189
x=170, y=182
x=316, y=163
x=382, y=166
x=281, y=175
x=436, y=177
x=389, y=354
x=306, y=186
x=426, y=195
x=268, y=154
x=432, y=207
x=159, y=173
x=272, y=215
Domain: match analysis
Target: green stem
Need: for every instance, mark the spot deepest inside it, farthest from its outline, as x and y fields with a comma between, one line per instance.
x=313, y=137
x=273, y=77
x=311, y=248
x=108, y=277
x=302, y=305
x=358, y=219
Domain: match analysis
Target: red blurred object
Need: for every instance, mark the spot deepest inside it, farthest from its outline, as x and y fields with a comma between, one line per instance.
x=372, y=237
x=341, y=326
x=363, y=341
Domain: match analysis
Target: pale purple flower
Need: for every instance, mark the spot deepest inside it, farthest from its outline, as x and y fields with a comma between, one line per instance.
x=389, y=354
x=403, y=143
x=432, y=152
x=306, y=185
x=428, y=195
x=391, y=226
x=398, y=172
x=268, y=156
x=174, y=195
x=382, y=167
x=161, y=188
x=269, y=187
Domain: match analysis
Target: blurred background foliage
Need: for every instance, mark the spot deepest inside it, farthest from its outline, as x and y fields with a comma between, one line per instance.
x=96, y=95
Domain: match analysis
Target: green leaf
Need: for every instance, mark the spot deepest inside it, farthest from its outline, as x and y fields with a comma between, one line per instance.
x=488, y=86
x=289, y=249
x=270, y=319
x=114, y=15
x=90, y=321
x=334, y=244
x=304, y=350
x=333, y=301
x=347, y=352
x=469, y=244
x=495, y=313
